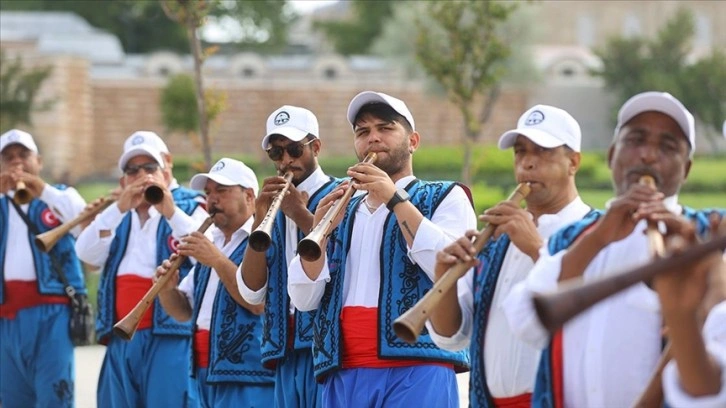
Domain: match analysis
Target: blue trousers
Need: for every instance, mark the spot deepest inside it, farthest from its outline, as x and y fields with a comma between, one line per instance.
x=148, y=371
x=420, y=386
x=229, y=394
x=36, y=358
x=295, y=385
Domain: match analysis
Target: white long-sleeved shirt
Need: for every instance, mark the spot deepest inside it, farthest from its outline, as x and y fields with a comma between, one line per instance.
x=310, y=185
x=714, y=334
x=140, y=256
x=511, y=364
x=451, y=220
x=611, y=349
x=204, y=318
x=63, y=204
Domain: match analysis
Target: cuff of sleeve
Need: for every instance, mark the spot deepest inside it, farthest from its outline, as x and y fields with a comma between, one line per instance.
x=297, y=275
x=50, y=195
x=459, y=341
x=181, y=223
x=253, y=297
x=676, y=397
x=427, y=237
x=110, y=218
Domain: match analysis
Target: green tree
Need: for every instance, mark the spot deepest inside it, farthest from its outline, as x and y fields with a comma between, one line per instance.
x=637, y=64
x=191, y=14
x=261, y=25
x=19, y=91
x=461, y=45
x=356, y=34
x=142, y=26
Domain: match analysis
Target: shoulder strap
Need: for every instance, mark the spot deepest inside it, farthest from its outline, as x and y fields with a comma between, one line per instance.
x=68, y=288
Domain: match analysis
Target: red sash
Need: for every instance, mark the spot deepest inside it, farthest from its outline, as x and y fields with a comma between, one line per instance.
x=129, y=291
x=519, y=401
x=201, y=348
x=558, y=371
x=360, y=341
x=24, y=294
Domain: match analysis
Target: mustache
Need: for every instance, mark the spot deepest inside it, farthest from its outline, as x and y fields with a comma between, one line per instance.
x=284, y=170
x=644, y=171
x=214, y=211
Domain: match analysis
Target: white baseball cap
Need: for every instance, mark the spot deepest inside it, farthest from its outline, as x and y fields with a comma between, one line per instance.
x=662, y=102
x=545, y=126
x=292, y=122
x=144, y=143
x=15, y=136
x=227, y=172
x=367, y=97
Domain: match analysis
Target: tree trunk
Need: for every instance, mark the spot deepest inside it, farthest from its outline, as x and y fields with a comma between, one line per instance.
x=201, y=101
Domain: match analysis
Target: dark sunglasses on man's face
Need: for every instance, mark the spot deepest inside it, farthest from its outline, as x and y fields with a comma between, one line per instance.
x=149, y=168
x=294, y=150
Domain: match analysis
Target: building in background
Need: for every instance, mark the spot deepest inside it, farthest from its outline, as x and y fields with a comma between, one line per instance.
x=103, y=94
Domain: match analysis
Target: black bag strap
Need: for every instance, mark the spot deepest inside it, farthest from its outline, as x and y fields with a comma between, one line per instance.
x=68, y=288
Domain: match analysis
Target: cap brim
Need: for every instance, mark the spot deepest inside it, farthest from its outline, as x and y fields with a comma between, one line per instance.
x=199, y=181
x=291, y=133
x=361, y=99
x=657, y=103
x=139, y=151
x=33, y=148
x=538, y=137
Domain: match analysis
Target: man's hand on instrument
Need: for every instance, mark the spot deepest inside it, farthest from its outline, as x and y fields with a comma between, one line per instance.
x=461, y=250
x=271, y=186
x=33, y=183
x=620, y=219
x=163, y=269
x=294, y=205
x=368, y=177
x=166, y=206
x=90, y=208
x=198, y=246
x=327, y=203
x=132, y=194
x=518, y=224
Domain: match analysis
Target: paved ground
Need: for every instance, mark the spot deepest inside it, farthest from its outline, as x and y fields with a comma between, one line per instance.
x=88, y=365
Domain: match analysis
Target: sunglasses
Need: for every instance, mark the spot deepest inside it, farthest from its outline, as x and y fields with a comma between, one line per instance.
x=149, y=168
x=294, y=150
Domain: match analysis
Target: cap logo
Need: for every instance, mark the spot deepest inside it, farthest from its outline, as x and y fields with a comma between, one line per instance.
x=218, y=167
x=281, y=118
x=137, y=140
x=534, y=118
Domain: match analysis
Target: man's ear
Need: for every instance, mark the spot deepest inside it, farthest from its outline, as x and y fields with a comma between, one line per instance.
x=575, y=160
x=611, y=150
x=122, y=181
x=413, y=141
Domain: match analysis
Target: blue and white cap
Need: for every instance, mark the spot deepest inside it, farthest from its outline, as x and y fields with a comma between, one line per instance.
x=545, y=126
x=144, y=143
x=227, y=172
x=15, y=136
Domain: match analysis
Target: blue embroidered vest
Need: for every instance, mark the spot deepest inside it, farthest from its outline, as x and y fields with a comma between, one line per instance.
x=49, y=282
x=235, y=332
x=544, y=395
x=277, y=305
x=485, y=282
x=402, y=285
x=163, y=324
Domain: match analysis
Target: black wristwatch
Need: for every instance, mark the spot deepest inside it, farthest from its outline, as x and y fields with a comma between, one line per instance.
x=399, y=196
